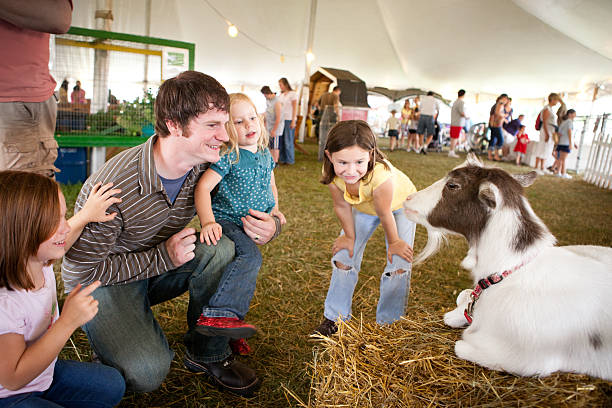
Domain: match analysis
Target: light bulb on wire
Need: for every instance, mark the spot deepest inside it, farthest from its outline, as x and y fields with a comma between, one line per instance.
x=310, y=57
x=232, y=31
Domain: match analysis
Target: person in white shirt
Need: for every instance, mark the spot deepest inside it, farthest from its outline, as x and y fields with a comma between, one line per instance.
x=458, y=117
x=288, y=99
x=429, y=109
x=546, y=143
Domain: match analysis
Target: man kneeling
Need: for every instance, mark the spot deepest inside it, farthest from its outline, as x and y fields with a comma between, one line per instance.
x=146, y=256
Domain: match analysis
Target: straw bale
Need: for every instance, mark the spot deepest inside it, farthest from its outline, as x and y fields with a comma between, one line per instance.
x=412, y=363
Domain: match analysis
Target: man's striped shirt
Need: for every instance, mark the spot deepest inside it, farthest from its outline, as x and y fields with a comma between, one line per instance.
x=132, y=246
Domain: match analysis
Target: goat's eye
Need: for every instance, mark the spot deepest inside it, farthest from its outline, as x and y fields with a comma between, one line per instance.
x=452, y=186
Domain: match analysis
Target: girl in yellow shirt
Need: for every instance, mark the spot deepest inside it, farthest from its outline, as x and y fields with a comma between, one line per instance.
x=366, y=190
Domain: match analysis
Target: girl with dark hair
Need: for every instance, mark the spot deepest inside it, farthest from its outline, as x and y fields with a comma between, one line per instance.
x=33, y=233
x=565, y=144
x=522, y=140
x=366, y=190
x=63, y=92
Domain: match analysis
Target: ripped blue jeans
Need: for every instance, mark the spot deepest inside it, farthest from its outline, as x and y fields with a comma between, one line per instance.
x=394, y=287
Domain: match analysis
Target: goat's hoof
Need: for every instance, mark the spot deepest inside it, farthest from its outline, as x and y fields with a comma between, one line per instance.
x=464, y=297
x=455, y=319
x=465, y=351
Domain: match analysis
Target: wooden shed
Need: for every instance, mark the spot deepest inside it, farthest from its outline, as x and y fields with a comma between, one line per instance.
x=354, y=96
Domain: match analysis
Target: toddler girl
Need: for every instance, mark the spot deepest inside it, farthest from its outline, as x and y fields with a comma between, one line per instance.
x=392, y=129
x=34, y=232
x=245, y=180
x=366, y=190
x=564, y=146
x=521, y=144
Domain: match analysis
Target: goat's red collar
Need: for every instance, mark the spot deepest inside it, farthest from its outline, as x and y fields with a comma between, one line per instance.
x=484, y=283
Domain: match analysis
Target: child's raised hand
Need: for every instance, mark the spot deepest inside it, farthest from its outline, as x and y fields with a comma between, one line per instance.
x=211, y=233
x=276, y=212
x=400, y=248
x=100, y=198
x=80, y=307
x=343, y=242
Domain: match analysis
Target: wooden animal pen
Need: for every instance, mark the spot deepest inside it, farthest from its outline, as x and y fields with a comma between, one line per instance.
x=354, y=96
x=133, y=67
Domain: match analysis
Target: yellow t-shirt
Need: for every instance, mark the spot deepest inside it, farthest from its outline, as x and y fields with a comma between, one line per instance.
x=402, y=188
x=405, y=115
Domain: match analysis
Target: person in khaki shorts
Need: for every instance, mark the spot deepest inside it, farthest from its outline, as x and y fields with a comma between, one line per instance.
x=28, y=106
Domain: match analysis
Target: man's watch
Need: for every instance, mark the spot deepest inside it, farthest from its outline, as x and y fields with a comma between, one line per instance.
x=277, y=222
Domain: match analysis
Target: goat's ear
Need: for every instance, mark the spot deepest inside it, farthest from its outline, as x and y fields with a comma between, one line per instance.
x=526, y=179
x=472, y=160
x=488, y=194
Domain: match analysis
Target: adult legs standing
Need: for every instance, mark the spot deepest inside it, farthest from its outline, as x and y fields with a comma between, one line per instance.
x=287, y=154
x=425, y=128
x=495, y=143
x=27, y=136
x=328, y=120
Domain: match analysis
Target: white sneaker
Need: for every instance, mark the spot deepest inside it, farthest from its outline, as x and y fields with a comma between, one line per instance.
x=548, y=172
x=453, y=154
x=539, y=172
x=566, y=176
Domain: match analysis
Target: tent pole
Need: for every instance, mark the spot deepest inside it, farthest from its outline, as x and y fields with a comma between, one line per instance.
x=104, y=18
x=147, y=33
x=305, y=91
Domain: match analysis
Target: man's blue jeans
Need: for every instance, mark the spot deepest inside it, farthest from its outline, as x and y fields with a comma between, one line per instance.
x=394, y=286
x=237, y=285
x=125, y=334
x=75, y=384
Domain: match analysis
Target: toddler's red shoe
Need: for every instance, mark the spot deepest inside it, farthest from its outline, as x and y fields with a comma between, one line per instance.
x=240, y=347
x=231, y=327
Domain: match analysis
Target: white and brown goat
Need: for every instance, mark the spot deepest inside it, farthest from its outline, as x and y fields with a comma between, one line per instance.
x=551, y=310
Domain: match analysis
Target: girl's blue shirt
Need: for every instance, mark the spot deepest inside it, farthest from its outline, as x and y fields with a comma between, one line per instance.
x=245, y=184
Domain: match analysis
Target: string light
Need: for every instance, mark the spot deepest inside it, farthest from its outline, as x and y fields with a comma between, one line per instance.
x=254, y=41
x=232, y=31
x=310, y=57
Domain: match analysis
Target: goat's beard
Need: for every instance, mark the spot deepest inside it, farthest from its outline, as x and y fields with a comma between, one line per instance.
x=435, y=239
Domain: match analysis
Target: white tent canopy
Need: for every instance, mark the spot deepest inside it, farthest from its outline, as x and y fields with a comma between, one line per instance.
x=527, y=48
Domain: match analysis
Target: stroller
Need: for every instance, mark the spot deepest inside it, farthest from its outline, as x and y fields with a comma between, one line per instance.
x=477, y=139
x=441, y=137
